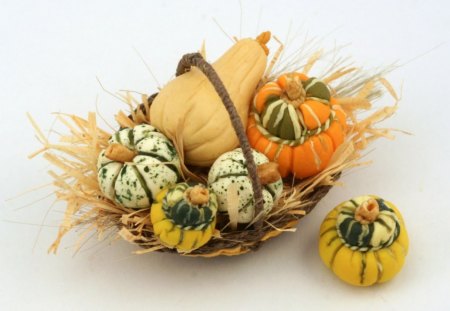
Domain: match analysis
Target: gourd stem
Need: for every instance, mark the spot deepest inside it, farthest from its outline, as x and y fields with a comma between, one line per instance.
x=262, y=39
x=119, y=153
x=295, y=93
x=268, y=173
x=196, y=59
x=197, y=195
x=367, y=212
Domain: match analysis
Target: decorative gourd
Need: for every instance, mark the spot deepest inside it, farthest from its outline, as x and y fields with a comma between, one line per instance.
x=364, y=241
x=230, y=170
x=137, y=165
x=184, y=216
x=295, y=123
x=190, y=100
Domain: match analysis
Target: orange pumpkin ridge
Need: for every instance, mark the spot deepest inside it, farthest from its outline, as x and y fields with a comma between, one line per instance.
x=300, y=136
x=270, y=89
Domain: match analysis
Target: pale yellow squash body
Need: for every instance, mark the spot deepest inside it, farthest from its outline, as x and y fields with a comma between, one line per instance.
x=189, y=103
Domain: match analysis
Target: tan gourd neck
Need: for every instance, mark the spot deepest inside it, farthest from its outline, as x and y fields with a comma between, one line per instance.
x=119, y=153
x=294, y=94
x=367, y=212
x=268, y=173
x=197, y=195
x=262, y=39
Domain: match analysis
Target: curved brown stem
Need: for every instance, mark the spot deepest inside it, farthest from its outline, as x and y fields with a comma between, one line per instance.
x=196, y=59
x=197, y=195
x=295, y=93
x=119, y=153
x=367, y=212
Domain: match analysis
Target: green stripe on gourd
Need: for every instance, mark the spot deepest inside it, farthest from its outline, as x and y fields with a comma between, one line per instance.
x=280, y=119
x=316, y=89
x=134, y=184
x=380, y=233
x=185, y=214
x=305, y=134
x=230, y=168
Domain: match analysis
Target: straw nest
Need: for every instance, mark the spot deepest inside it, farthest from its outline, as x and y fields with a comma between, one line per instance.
x=74, y=159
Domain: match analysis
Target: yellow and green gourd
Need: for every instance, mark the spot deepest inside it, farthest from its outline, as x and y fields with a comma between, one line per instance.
x=364, y=241
x=141, y=164
x=184, y=216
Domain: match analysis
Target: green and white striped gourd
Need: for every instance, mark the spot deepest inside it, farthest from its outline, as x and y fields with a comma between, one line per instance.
x=155, y=166
x=230, y=168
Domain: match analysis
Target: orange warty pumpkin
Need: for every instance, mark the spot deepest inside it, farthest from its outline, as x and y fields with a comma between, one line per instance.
x=296, y=123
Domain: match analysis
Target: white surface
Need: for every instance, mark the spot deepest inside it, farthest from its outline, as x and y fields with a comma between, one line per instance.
x=50, y=55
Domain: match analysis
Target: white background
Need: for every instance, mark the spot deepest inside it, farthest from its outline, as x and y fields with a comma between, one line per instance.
x=50, y=55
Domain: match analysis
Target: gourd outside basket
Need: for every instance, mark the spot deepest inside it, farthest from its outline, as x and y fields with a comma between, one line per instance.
x=250, y=238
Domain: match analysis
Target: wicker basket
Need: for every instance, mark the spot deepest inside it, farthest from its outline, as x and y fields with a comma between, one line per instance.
x=87, y=207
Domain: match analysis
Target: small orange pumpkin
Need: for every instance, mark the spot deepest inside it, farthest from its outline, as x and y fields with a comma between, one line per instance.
x=296, y=123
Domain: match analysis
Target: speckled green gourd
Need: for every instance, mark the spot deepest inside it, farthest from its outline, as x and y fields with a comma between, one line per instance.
x=155, y=166
x=230, y=168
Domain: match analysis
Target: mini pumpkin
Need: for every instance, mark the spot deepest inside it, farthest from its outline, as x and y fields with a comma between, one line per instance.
x=296, y=124
x=231, y=169
x=138, y=163
x=364, y=241
x=184, y=216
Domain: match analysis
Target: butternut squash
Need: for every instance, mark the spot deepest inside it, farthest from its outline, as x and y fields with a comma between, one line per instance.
x=190, y=102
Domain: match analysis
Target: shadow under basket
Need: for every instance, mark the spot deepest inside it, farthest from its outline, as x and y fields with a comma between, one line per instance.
x=246, y=237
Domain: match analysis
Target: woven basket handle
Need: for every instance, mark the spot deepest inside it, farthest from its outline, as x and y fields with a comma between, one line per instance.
x=196, y=59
